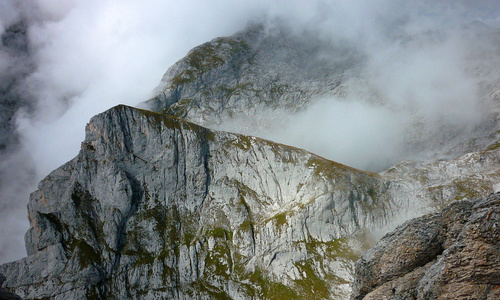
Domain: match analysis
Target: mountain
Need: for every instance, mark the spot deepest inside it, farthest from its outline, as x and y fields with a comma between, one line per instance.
x=260, y=68
x=255, y=80
x=156, y=206
x=202, y=213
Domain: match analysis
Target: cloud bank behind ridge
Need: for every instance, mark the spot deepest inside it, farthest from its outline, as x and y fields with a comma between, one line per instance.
x=90, y=55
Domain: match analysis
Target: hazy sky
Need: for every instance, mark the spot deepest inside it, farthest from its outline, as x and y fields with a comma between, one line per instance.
x=93, y=54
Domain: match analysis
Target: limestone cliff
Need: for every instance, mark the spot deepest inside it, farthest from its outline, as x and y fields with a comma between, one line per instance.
x=156, y=207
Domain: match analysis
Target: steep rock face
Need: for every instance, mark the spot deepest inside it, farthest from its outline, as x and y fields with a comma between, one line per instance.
x=453, y=254
x=261, y=68
x=154, y=206
x=161, y=208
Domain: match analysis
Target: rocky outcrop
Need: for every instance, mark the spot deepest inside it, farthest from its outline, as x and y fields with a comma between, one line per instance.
x=263, y=68
x=453, y=254
x=156, y=207
x=6, y=295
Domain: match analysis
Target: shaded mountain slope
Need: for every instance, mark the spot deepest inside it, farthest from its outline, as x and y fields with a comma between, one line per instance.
x=260, y=68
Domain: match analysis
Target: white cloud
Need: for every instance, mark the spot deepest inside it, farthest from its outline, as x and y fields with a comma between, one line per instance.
x=92, y=54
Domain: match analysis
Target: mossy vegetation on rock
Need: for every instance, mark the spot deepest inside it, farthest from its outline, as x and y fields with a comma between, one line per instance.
x=249, y=71
x=162, y=207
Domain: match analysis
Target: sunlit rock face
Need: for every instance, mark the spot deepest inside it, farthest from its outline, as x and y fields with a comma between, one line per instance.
x=453, y=254
x=158, y=207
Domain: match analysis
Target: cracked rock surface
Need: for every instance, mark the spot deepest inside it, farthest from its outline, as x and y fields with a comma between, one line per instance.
x=156, y=207
x=453, y=254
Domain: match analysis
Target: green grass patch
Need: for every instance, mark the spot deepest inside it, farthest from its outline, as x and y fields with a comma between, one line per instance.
x=311, y=285
x=493, y=147
x=268, y=289
x=222, y=233
x=280, y=219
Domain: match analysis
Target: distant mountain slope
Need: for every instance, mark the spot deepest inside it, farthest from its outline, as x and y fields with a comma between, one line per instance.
x=257, y=69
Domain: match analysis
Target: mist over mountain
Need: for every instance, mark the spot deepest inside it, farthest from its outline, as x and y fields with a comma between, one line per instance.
x=409, y=90
x=81, y=57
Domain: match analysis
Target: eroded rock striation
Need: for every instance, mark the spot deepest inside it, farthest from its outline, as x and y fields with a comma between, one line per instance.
x=156, y=207
x=453, y=254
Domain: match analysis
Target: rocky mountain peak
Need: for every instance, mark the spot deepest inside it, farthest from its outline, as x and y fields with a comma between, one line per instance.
x=202, y=213
x=259, y=68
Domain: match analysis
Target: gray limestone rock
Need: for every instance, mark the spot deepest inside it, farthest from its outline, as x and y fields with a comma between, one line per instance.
x=157, y=207
x=5, y=295
x=262, y=68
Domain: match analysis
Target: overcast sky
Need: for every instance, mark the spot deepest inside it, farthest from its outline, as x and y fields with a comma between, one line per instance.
x=93, y=54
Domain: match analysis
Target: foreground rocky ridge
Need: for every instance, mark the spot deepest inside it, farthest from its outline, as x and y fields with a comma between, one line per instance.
x=453, y=254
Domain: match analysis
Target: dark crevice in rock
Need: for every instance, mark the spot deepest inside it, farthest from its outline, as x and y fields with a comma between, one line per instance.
x=136, y=197
x=4, y=294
